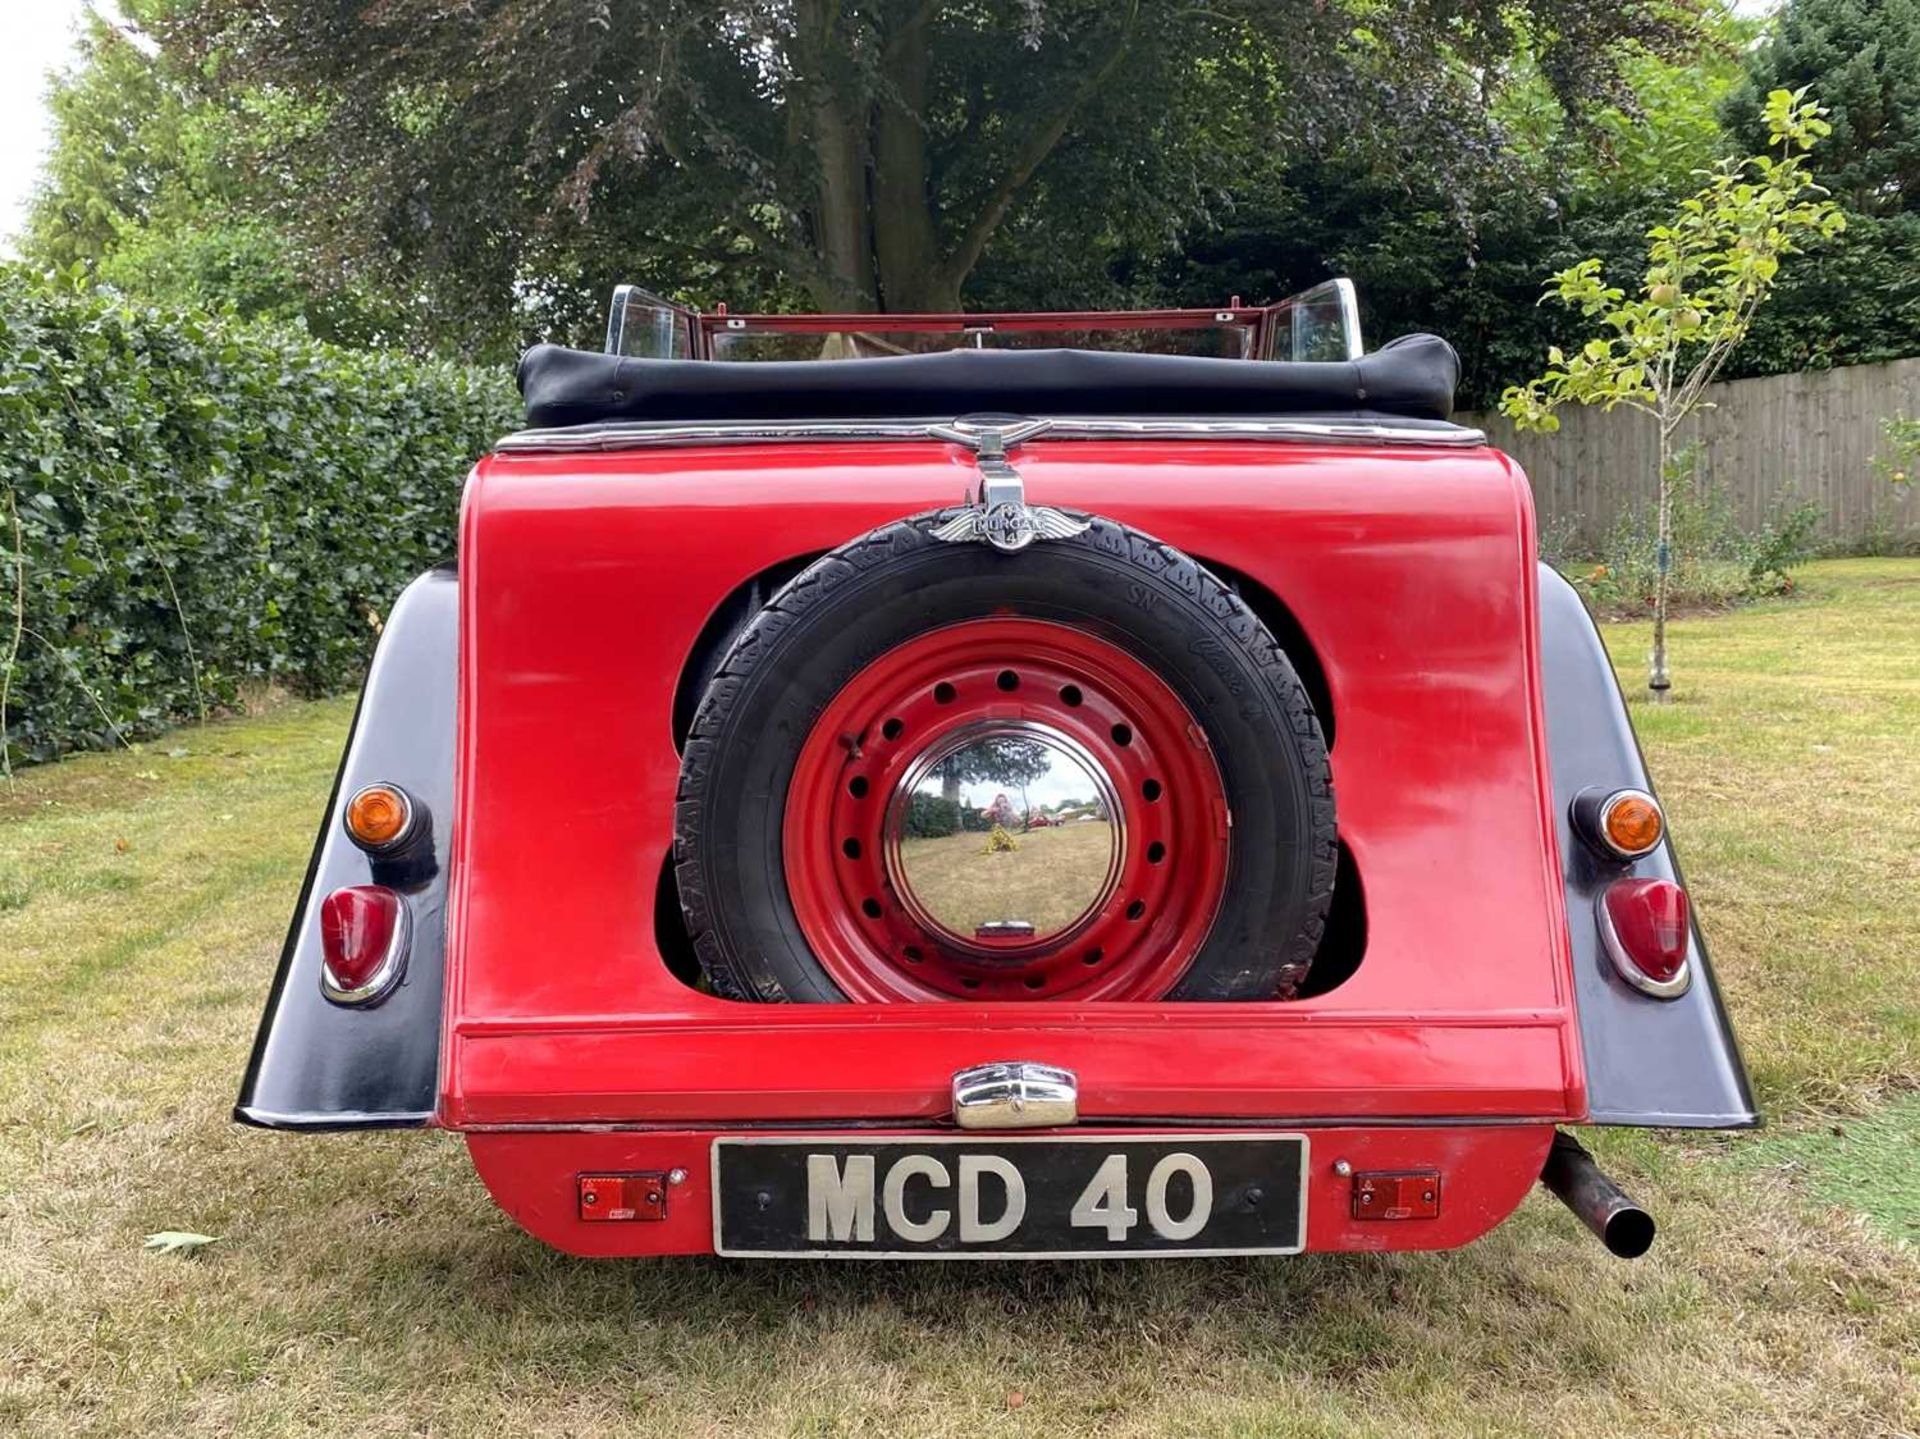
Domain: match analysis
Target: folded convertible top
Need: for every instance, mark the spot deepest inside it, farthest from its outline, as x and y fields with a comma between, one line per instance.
x=1412, y=378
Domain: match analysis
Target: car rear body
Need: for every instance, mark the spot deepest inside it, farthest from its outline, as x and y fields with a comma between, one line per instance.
x=535, y=702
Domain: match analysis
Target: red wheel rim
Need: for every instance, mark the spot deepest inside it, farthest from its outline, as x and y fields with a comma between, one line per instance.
x=930, y=694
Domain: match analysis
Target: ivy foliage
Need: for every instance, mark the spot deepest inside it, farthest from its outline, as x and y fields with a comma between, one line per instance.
x=190, y=504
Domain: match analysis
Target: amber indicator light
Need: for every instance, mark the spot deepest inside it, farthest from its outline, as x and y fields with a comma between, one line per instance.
x=1632, y=823
x=379, y=816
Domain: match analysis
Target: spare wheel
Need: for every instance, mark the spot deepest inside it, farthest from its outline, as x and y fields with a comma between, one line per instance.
x=932, y=770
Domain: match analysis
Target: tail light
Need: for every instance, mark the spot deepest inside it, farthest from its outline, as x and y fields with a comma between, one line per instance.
x=1646, y=928
x=363, y=943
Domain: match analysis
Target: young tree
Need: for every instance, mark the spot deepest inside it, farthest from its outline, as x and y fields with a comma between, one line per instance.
x=1710, y=268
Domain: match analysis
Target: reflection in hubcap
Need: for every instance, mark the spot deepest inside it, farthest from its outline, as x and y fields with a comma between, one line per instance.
x=1005, y=835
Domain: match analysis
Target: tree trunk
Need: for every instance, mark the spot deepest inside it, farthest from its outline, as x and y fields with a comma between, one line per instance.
x=835, y=129
x=840, y=207
x=906, y=246
x=1659, y=681
x=875, y=226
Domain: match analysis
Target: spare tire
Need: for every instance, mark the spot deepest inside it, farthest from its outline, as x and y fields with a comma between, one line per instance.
x=1161, y=820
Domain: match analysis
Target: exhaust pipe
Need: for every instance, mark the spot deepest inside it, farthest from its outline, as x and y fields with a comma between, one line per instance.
x=1623, y=1226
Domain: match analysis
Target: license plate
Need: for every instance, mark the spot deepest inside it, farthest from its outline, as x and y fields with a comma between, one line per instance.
x=1044, y=1197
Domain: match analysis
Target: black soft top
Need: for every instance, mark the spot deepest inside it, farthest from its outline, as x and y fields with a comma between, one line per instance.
x=1410, y=378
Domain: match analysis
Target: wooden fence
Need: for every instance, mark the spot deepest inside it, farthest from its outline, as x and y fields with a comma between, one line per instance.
x=1811, y=435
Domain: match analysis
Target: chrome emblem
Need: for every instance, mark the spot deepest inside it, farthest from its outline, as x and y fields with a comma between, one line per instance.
x=1011, y=525
x=1000, y=516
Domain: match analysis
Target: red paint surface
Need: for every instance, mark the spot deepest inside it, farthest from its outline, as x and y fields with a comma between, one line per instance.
x=584, y=581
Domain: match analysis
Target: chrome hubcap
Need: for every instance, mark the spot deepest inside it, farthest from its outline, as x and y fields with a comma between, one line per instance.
x=1004, y=836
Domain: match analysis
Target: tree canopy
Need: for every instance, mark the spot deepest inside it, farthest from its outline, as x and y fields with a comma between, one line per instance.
x=154, y=187
x=463, y=176
x=1861, y=301
x=1862, y=58
x=999, y=759
x=501, y=159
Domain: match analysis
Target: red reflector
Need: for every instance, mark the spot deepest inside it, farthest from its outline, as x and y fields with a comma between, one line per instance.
x=1412, y=1195
x=1644, y=923
x=363, y=943
x=605, y=1197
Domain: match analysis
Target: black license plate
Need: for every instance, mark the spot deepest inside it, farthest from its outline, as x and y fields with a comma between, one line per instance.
x=1040, y=1198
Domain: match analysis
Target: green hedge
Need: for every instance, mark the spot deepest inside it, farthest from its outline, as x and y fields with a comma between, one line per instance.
x=189, y=504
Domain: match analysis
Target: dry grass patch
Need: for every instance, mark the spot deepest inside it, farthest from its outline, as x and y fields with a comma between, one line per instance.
x=1048, y=879
x=365, y=1284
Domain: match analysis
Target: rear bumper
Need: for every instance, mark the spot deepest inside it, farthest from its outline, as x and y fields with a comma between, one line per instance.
x=1485, y=1171
x=717, y=1062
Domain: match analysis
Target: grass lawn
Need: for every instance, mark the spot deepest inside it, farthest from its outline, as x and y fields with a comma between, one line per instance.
x=1049, y=879
x=365, y=1285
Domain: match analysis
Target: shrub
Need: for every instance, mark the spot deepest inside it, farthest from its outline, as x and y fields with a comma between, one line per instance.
x=1899, y=461
x=931, y=816
x=189, y=504
x=1714, y=561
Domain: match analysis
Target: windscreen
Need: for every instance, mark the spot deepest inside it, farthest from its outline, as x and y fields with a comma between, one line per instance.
x=1321, y=323
x=754, y=342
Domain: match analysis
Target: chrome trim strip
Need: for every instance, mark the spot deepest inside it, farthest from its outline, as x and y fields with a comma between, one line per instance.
x=904, y=1126
x=648, y=434
x=1350, y=316
x=617, y=319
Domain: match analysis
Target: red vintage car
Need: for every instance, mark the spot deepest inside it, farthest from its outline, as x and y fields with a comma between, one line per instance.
x=663, y=861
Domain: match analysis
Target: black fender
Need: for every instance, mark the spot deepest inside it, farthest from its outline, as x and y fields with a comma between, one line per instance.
x=1654, y=1062
x=318, y=1065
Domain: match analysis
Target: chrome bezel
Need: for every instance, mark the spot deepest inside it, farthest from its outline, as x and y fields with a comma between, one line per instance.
x=1624, y=966
x=386, y=975
x=409, y=811
x=1601, y=836
x=951, y=742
